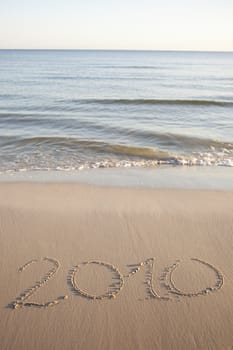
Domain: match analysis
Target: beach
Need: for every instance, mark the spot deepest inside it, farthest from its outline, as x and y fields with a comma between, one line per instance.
x=116, y=200
x=89, y=267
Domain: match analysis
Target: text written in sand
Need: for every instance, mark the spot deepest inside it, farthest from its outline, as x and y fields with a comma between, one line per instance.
x=172, y=291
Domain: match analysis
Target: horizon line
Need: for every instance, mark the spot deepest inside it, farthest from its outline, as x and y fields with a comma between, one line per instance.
x=140, y=50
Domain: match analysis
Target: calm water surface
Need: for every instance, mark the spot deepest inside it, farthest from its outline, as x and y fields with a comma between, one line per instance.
x=79, y=109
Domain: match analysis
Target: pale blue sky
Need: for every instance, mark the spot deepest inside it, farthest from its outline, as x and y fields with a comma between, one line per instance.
x=117, y=24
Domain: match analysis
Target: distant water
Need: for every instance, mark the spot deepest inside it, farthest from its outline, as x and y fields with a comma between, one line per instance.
x=79, y=109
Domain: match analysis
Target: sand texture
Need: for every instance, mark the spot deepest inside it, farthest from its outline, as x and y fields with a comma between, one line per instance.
x=85, y=267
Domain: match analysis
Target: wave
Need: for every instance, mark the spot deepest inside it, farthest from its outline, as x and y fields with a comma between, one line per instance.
x=76, y=144
x=146, y=149
x=60, y=153
x=73, y=141
x=70, y=125
x=142, y=101
x=170, y=143
x=59, y=106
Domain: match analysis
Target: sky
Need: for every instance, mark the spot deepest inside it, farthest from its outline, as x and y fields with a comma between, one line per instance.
x=205, y=25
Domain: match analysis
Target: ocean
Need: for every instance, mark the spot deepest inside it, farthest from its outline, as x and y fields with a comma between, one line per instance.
x=73, y=110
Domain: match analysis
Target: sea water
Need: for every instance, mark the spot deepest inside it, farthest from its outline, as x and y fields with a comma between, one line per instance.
x=73, y=110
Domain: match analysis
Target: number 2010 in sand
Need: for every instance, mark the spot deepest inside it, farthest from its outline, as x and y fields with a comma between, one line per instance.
x=149, y=264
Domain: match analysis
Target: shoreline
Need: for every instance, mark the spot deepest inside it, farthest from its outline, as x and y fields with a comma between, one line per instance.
x=219, y=178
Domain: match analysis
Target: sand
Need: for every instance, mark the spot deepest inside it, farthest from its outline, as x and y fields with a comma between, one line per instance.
x=86, y=267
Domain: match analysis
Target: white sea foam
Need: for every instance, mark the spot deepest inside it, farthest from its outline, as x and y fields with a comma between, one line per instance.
x=203, y=159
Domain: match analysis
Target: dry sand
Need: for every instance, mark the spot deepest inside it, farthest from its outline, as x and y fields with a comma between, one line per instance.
x=122, y=299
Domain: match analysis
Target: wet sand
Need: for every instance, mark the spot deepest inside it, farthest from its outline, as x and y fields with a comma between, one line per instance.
x=86, y=267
